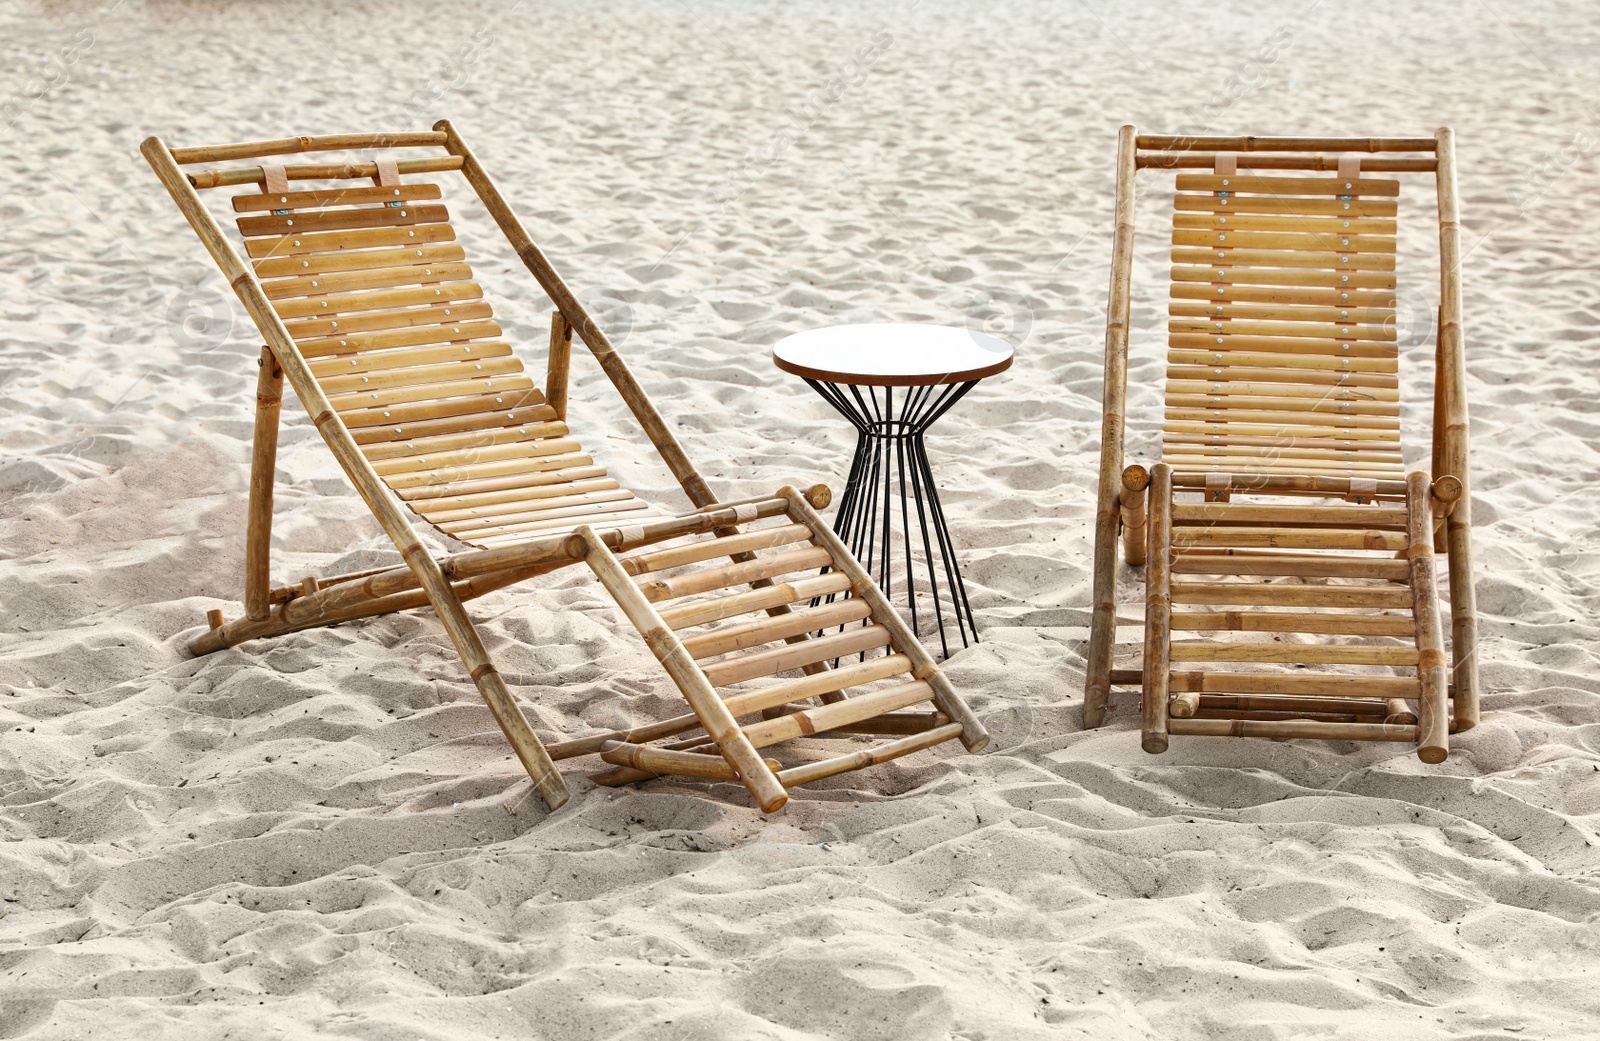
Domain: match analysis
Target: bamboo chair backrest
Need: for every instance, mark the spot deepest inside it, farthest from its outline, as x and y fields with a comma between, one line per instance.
x=367, y=302
x=1282, y=344
x=380, y=299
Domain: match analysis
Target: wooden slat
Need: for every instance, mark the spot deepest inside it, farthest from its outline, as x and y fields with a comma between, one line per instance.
x=536, y=455
x=1267, y=294
x=431, y=260
x=1279, y=259
x=708, y=579
x=809, y=772
x=1265, y=204
x=352, y=196
x=1266, y=360
x=328, y=241
x=438, y=511
x=1232, y=309
x=1200, y=464
x=1279, y=185
x=379, y=321
x=827, y=681
x=527, y=408
x=630, y=511
x=1225, y=512
x=340, y=304
x=1234, y=238
x=1303, y=223
x=496, y=403
x=537, y=510
x=1294, y=418
x=1242, y=561
x=1290, y=340
x=448, y=333
x=1304, y=403
x=468, y=455
x=1330, y=623
x=1340, y=377
x=1258, y=594
x=1246, y=454
x=564, y=519
x=392, y=400
x=1314, y=730
x=561, y=469
x=304, y=222
x=1242, y=388
x=795, y=655
x=1283, y=276
x=709, y=549
x=443, y=378
x=1289, y=538
x=1291, y=653
x=822, y=718
x=1280, y=682
x=779, y=627
x=683, y=616
x=465, y=439
x=379, y=361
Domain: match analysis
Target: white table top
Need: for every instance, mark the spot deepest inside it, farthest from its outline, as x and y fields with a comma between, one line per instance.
x=892, y=354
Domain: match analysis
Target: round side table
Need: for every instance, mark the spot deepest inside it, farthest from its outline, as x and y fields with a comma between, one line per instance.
x=858, y=369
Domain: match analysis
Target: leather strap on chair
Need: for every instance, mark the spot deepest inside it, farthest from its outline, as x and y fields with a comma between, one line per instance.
x=1349, y=167
x=1218, y=486
x=388, y=175
x=1226, y=165
x=275, y=181
x=1362, y=490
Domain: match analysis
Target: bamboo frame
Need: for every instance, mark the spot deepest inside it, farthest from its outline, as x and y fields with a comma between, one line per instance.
x=1264, y=412
x=472, y=469
x=1114, y=396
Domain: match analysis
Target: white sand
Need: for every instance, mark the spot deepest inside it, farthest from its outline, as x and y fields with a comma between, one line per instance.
x=311, y=837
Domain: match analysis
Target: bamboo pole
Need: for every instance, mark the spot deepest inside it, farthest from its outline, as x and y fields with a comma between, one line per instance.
x=1294, y=728
x=295, y=369
x=1135, y=479
x=610, y=361
x=555, y=381
x=1157, y=614
x=1454, y=460
x=1184, y=143
x=263, y=469
x=973, y=735
x=294, y=145
x=204, y=179
x=798, y=775
x=1433, y=717
x=1205, y=161
x=1114, y=395
x=718, y=722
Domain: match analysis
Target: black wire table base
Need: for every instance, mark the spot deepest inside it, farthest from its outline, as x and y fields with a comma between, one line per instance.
x=889, y=424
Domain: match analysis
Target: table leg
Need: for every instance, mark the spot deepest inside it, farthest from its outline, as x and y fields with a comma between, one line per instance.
x=890, y=429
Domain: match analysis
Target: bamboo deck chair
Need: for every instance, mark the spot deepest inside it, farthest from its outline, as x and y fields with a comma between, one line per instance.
x=1283, y=543
x=369, y=309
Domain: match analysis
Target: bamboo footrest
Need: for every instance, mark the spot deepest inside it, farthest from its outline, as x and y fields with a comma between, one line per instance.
x=774, y=634
x=1243, y=596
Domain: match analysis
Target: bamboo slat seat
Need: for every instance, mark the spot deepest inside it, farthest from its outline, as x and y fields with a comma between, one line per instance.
x=370, y=310
x=1288, y=553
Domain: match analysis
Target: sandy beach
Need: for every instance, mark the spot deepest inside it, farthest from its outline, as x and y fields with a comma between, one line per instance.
x=326, y=836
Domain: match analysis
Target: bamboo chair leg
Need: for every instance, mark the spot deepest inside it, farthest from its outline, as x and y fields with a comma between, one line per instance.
x=1103, y=626
x=714, y=716
x=1433, y=706
x=1135, y=479
x=1158, y=614
x=263, y=467
x=1463, y=616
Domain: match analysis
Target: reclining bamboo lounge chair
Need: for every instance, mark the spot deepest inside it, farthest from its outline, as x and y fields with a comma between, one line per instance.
x=1298, y=617
x=368, y=308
